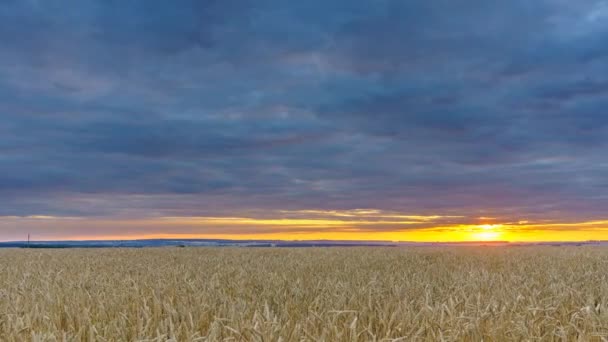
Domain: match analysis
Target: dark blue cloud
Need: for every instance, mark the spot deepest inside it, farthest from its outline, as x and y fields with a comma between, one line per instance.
x=233, y=105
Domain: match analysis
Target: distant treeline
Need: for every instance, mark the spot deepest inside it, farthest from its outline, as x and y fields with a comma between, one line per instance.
x=269, y=243
x=185, y=243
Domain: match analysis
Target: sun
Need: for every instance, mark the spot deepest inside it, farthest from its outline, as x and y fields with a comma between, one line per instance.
x=486, y=236
x=487, y=232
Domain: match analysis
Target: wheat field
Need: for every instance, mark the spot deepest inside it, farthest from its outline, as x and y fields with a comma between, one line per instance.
x=312, y=294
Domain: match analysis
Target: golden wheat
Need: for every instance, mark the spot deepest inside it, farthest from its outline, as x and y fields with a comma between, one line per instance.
x=333, y=294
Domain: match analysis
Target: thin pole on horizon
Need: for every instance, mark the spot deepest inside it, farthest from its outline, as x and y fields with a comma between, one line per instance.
x=28, y=240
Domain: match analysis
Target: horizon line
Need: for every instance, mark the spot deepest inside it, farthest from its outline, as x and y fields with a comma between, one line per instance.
x=312, y=240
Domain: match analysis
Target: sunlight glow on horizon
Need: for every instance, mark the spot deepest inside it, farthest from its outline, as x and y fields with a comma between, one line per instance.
x=356, y=225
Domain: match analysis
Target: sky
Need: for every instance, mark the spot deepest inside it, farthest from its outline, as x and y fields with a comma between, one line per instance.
x=271, y=119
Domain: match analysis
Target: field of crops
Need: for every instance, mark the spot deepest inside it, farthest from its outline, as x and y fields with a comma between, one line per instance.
x=332, y=294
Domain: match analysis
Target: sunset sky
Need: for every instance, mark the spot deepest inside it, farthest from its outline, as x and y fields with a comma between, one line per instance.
x=390, y=120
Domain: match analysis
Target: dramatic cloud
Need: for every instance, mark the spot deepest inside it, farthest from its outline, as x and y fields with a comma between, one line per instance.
x=138, y=110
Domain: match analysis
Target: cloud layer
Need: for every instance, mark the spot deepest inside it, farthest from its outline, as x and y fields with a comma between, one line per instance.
x=217, y=108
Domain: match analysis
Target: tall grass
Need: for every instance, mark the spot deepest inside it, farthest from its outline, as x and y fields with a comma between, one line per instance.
x=334, y=294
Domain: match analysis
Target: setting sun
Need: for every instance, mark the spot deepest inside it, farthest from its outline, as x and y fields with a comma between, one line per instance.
x=487, y=236
x=487, y=232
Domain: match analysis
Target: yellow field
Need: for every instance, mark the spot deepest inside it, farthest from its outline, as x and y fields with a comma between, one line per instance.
x=333, y=294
